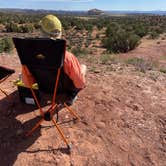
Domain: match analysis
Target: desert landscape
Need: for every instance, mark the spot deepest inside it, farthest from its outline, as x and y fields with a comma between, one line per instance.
x=122, y=110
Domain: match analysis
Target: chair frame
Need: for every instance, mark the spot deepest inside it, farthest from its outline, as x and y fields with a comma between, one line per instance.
x=48, y=115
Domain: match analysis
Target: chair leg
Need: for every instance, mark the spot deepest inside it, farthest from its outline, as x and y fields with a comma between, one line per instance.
x=35, y=127
x=4, y=92
x=56, y=125
x=61, y=133
x=71, y=111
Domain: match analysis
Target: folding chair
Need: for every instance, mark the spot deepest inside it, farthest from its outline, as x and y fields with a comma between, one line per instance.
x=4, y=74
x=44, y=59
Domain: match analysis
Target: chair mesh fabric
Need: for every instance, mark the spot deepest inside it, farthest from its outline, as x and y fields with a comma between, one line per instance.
x=43, y=57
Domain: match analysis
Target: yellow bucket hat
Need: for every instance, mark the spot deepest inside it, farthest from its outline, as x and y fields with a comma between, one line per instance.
x=51, y=24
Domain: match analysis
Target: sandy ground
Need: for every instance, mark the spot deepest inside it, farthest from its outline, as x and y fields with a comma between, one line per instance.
x=123, y=120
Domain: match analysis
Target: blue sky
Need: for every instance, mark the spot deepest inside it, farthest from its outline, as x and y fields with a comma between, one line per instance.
x=86, y=4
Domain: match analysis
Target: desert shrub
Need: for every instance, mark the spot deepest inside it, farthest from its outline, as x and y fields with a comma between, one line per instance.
x=128, y=28
x=6, y=45
x=26, y=28
x=117, y=42
x=37, y=26
x=153, y=35
x=140, y=31
x=111, y=29
x=80, y=26
x=159, y=30
x=121, y=41
x=12, y=27
x=107, y=58
x=77, y=51
x=163, y=70
x=140, y=64
x=133, y=40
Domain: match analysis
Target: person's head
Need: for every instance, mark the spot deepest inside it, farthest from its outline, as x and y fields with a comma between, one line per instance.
x=51, y=26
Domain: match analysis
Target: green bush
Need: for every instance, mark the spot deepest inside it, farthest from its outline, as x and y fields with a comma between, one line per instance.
x=140, y=31
x=111, y=29
x=121, y=41
x=26, y=28
x=6, y=45
x=133, y=40
x=153, y=35
x=116, y=43
x=12, y=27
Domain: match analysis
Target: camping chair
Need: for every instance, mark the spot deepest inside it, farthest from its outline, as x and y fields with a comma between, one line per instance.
x=4, y=74
x=44, y=59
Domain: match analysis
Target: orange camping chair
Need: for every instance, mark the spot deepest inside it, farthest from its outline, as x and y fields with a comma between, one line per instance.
x=4, y=74
x=44, y=58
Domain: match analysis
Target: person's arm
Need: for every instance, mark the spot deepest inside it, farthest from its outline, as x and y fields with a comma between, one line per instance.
x=72, y=68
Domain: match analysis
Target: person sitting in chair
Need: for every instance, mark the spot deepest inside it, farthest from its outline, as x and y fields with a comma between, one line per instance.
x=74, y=72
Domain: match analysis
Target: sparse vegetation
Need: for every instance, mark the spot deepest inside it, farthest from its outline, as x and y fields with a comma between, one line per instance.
x=13, y=27
x=153, y=35
x=117, y=34
x=107, y=59
x=122, y=106
x=141, y=64
x=6, y=45
x=77, y=51
x=163, y=70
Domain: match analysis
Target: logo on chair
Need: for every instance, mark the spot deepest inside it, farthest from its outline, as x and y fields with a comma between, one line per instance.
x=40, y=56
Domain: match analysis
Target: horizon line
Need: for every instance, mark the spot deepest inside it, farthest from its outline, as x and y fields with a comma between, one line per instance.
x=87, y=9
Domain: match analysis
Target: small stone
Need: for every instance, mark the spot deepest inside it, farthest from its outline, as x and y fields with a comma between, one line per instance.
x=100, y=124
x=97, y=71
x=137, y=107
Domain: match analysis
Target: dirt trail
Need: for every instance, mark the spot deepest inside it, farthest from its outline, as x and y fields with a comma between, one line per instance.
x=123, y=122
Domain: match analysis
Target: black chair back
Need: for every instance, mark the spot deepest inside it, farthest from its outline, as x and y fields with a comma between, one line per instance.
x=43, y=57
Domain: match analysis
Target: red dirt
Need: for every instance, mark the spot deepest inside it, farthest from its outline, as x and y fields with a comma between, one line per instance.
x=123, y=121
x=150, y=49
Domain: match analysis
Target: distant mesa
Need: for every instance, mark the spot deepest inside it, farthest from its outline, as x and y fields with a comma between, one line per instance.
x=95, y=12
